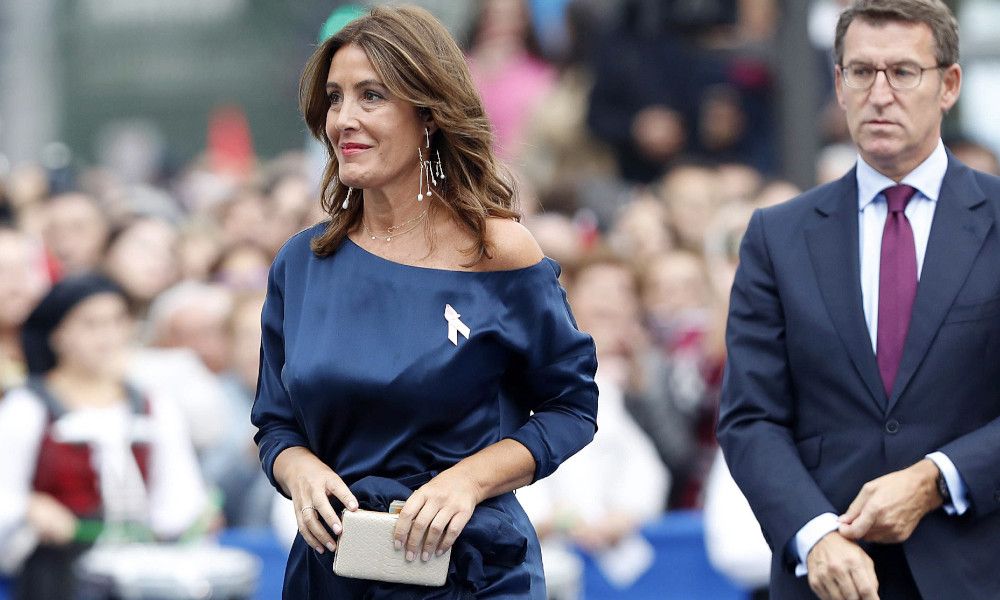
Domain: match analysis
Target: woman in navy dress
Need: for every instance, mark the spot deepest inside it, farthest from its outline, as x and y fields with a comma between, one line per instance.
x=418, y=342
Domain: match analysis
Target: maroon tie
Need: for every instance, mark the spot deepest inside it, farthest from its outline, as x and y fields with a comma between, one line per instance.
x=897, y=284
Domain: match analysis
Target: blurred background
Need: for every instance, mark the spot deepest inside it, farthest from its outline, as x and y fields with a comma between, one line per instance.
x=161, y=142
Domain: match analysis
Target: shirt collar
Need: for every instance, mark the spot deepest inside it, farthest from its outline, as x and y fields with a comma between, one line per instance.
x=927, y=178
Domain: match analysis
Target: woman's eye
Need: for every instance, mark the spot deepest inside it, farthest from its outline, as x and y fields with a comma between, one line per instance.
x=333, y=97
x=371, y=96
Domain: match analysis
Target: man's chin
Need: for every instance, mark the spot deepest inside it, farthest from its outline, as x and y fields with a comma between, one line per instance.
x=880, y=152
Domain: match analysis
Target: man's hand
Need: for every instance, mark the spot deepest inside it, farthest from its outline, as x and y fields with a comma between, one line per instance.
x=840, y=570
x=888, y=509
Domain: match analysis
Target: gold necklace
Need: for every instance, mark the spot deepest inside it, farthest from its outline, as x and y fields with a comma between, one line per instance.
x=394, y=230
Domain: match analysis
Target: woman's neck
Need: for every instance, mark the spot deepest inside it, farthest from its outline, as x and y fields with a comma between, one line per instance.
x=389, y=208
x=79, y=389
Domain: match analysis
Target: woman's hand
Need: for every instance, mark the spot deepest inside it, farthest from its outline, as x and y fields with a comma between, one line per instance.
x=439, y=510
x=54, y=523
x=310, y=483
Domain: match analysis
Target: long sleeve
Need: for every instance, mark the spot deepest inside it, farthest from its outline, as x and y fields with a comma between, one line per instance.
x=273, y=413
x=807, y=537
x=634, y=483
x=974, y=456
x=732, y=535
x=640, y=482
x=177, y=494
x=953, y=479
x=555, y=380
x=22, y=423
x=757, y=409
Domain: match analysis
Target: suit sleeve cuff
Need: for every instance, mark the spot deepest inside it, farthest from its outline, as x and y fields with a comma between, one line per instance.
x=806, y=538
x=953, y=479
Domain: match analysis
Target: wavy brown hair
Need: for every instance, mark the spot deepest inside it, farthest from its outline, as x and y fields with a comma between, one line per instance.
x=419, y=62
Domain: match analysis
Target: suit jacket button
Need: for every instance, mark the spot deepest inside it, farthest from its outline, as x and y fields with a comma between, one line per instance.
x=892, y=426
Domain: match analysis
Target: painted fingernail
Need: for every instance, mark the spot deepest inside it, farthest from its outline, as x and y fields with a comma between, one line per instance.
x=426, y=556
x=319, y=549
x=398, y=544
x=337, y=529
x=353, y=505
x=330, y=546
x=439, y=552
x=410, y=556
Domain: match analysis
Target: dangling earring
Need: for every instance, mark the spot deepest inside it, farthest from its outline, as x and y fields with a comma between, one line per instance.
x=429, y=172
x=440, y=169
x=420, y=183
x=347, y=198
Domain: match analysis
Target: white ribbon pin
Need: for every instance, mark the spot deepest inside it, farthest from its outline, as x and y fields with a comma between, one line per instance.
x=455, y=324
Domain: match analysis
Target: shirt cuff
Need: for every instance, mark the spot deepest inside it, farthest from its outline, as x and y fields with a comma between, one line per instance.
x=956, y=487
x=812, y=532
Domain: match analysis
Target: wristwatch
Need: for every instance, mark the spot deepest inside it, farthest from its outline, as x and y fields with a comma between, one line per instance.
x=942, y=488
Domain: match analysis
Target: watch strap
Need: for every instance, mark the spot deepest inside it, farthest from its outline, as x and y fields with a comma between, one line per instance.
x=942, y=488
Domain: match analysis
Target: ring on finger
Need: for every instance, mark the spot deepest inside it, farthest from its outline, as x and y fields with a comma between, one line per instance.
x=305, y=508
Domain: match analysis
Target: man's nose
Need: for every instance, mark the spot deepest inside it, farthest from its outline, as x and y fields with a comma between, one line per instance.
x=881, y=93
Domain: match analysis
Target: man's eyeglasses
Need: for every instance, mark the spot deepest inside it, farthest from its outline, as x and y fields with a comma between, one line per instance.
x=901, y=76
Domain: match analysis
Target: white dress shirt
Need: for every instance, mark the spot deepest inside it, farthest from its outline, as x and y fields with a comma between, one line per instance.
x=872, y=212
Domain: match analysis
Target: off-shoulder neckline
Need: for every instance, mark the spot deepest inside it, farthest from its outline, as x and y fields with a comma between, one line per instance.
x=544, y=260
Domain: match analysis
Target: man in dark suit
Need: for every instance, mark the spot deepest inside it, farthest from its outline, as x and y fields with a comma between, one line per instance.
x=861, y=406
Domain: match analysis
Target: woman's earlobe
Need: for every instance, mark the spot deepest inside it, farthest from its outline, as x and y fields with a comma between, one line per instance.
x=428, y=118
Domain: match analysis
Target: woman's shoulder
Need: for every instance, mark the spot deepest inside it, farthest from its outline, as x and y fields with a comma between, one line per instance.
x=511, y=244
x=297, y=247
x=300, y=241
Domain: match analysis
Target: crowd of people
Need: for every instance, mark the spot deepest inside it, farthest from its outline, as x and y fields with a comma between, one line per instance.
x=638, y=181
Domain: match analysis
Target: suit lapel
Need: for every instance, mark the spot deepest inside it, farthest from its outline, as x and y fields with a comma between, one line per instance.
x=833, y=250
x=959, y=228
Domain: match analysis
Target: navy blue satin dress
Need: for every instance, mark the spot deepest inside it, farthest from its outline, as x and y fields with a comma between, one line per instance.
x=359, y=364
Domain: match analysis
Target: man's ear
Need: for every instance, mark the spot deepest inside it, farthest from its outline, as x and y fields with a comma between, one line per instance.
x=838, y=86
x=951, y=79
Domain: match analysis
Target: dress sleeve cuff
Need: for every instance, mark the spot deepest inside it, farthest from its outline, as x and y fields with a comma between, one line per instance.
x=269, y=451
x=953, y=479
x=809, y=535
x=538, y=450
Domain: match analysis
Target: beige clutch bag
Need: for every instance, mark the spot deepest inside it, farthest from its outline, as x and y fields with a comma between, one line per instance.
x=365, y=551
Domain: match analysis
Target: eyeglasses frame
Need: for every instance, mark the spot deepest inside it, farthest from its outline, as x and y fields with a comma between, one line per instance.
x=885, y=71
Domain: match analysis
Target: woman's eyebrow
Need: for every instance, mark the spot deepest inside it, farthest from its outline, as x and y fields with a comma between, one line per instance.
x=360, y=84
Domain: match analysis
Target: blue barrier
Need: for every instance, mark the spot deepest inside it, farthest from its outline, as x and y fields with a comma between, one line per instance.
x=680, y=571
x=271, y=552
